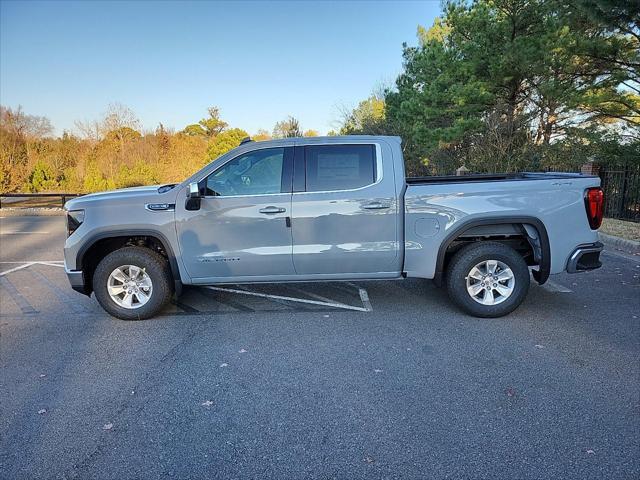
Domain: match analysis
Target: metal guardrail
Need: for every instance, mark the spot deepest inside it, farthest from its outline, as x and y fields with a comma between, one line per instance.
x=62, y=196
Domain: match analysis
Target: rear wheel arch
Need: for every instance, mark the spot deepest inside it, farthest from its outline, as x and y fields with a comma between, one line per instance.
x=532, y=229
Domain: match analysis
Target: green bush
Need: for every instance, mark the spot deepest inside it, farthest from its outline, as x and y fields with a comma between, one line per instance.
x=42, y=179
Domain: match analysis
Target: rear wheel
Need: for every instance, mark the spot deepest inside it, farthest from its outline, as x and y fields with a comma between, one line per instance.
x=488, y=279
x=132, y=283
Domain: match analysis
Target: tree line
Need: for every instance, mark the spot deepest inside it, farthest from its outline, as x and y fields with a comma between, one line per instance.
x=494, y=85
x=113, y=152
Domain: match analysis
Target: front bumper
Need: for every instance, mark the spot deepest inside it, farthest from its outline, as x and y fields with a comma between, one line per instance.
x=76, y=279
x=585, y=257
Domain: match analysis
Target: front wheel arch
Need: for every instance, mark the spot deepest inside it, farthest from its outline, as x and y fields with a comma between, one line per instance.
x=100, y=245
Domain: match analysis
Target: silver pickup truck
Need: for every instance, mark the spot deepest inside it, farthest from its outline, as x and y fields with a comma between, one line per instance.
x=331, y=209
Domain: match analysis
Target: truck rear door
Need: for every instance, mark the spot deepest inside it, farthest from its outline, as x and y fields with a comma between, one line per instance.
x=344, y=210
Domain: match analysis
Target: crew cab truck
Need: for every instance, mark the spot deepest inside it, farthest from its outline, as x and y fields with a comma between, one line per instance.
x=331, y=209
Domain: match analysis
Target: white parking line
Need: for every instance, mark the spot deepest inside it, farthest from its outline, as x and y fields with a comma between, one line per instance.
x=51, y=263
x=311, y=294
x=34, y=261
x=15, y=269
x=292, y=299
x=364, y=296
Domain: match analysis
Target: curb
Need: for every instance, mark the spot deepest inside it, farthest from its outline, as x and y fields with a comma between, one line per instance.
x=628, y=246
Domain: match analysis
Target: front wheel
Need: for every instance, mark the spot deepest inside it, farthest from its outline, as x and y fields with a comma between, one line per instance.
x=132, y=283
x=488, y=279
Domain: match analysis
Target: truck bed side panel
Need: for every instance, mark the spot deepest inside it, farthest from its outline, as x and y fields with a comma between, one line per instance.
x=433, y=211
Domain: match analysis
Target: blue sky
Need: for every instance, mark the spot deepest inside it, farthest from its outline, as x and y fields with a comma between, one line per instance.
x=169, y=61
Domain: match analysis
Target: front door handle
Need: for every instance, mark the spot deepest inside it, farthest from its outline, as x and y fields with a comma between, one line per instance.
x=271, y=210
x=375, y=206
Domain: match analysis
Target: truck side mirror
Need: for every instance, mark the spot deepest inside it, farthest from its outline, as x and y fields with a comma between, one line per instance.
x=193, y=197
x=193, y=190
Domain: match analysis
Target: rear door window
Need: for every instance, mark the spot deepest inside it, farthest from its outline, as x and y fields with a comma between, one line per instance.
x=339, y=167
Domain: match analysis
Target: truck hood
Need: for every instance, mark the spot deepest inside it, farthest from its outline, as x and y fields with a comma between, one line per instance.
x=133, y=195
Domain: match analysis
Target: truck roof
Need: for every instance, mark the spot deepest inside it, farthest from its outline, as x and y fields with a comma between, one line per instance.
x=323, y=140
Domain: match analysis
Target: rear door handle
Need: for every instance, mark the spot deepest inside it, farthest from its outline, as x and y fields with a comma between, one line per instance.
x=271, y=210
x=375, y=206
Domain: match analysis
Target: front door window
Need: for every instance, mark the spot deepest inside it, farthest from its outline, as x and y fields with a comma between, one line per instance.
x=254, y=173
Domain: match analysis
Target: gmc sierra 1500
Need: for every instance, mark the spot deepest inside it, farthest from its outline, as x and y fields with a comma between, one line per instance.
x=328, y=209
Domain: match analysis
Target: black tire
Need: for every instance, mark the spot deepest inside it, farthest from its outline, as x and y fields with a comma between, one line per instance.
x=470, y=256
x=154, y=264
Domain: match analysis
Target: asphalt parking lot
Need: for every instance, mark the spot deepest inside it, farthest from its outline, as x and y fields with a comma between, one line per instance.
x=361, y=380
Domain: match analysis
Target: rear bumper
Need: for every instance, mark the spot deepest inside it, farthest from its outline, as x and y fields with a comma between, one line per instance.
x=585, y=257
x=76, y=279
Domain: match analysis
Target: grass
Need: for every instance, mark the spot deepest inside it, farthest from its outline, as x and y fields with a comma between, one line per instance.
x=621, y=228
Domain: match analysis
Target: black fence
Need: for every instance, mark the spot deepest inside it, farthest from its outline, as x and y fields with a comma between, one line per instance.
x=621, y=188
x=37, y=200
x=621, y=193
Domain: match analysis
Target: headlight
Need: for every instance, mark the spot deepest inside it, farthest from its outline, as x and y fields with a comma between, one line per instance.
x=74, y=220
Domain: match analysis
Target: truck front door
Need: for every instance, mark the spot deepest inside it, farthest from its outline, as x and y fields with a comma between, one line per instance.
x=241, y=231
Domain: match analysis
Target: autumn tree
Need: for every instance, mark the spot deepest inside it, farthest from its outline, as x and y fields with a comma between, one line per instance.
x=207, y=127
x=194, y=130
x=18, y=123
x=225, y=141
x=261, y=135
x=290, y=127
x=18, y=133
x=368, y=118
x=212, y=124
